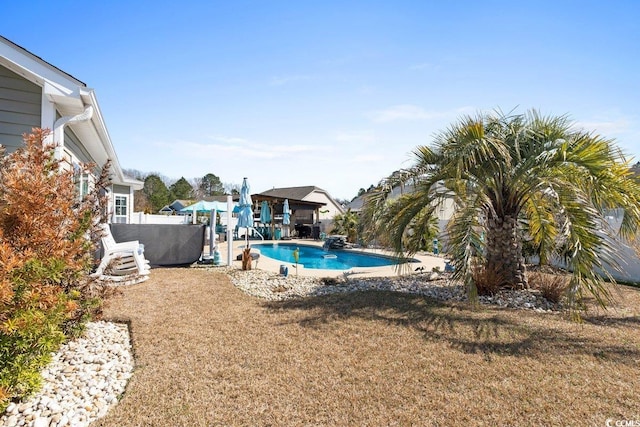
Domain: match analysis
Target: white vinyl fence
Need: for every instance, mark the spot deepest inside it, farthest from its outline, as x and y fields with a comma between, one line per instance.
x=143, y=218
x=627, y=257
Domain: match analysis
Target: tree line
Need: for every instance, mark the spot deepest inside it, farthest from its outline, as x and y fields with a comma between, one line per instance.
x=158, y=191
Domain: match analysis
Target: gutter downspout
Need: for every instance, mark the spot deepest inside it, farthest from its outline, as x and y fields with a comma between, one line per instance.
x=58, y=129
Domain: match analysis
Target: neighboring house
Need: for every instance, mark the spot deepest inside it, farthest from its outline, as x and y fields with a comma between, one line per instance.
x=444, y=209
x=627, y=255
x=309, y=194
x=310, y=205
x=175, y=207
x=356, y=204
x=34, y=93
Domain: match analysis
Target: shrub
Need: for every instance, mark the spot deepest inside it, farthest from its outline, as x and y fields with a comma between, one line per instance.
x=45, y=255
x=31, y=327
x=551, y=286
x=487, y=281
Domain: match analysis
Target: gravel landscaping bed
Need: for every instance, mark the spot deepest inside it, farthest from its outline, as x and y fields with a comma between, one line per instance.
x=85, y=378
x=276, y=287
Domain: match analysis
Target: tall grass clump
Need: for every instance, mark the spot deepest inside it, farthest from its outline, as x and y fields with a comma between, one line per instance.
x=45, y=254
x=553, y=287
x=487, y=280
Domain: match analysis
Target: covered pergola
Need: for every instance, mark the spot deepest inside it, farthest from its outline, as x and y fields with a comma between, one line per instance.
x=303, y=212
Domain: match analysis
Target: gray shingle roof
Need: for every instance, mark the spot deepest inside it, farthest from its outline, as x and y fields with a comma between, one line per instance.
x=356, y=204
x=297, y=193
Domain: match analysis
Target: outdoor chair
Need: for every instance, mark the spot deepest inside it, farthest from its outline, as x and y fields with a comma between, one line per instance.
x=122, y=261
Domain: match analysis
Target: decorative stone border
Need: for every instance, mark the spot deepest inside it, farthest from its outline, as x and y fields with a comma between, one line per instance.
x=85, y=378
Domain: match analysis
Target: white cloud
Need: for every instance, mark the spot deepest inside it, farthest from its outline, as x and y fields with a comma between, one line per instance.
x=605, y=127
x=239, y=148
x=624, y=130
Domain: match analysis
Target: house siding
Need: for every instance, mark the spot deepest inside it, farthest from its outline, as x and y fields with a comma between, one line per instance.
x=73, y=145
x=121, y=189
x=34, y=93
x=20, y=108
x=326, y=212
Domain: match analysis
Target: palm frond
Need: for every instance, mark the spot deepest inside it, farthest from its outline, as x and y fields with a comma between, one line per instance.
x=541, y=224
x=587, y=251
x=466, y=243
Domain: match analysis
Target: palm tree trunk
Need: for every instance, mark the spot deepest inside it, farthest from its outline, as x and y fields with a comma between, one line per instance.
x=504, y=252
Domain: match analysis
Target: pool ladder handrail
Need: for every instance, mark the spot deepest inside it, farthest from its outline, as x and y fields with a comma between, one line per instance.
x=256, y=231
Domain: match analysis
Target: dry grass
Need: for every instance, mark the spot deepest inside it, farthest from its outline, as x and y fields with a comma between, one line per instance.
x=209, y=355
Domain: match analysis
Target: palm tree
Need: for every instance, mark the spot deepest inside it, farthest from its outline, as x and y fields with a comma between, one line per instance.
x=347, y=224
x=514, y=177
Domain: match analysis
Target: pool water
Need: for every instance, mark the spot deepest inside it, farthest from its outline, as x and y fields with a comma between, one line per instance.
x=315, y=257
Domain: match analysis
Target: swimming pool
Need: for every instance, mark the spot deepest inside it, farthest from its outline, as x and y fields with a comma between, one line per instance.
x=318, y=258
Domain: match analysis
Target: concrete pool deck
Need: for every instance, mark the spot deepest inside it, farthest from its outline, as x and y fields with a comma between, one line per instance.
x=428, y=262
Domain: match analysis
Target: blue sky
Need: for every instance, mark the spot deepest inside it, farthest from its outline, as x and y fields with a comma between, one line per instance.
x=333, y=93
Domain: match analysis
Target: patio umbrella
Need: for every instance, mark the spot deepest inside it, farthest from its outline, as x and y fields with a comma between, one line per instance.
x=203, y=206
x=200, y=207
x=265, y=213
x=265, y=216
x=245, y=216
x=286, y=216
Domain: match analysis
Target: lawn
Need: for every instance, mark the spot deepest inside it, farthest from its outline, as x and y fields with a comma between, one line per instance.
x=207, y=354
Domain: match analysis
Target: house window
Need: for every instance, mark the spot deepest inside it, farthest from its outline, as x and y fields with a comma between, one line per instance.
x=120, y=213
x=82, y=179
